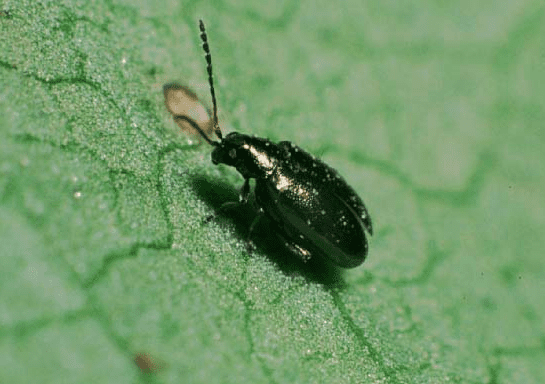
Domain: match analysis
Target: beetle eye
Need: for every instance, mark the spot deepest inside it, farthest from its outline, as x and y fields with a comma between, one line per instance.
x=233, y=153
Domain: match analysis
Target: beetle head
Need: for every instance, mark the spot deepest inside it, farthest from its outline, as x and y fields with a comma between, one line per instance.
x=247, y=154
x=229, y=151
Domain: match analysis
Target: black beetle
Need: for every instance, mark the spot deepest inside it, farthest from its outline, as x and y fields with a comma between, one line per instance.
x=313, y=210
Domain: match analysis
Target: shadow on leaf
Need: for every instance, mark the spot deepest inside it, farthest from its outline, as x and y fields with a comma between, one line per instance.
x=216, y=193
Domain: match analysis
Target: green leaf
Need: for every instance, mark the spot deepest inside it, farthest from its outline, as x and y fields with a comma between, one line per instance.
x=110, y=273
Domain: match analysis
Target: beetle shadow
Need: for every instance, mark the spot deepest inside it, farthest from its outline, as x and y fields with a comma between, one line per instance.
x=216, y=193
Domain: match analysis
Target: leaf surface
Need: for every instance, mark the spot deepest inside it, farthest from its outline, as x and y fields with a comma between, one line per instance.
x=433, y=112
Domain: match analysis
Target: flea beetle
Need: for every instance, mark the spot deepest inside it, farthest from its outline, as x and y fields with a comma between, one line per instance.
x=311, y=207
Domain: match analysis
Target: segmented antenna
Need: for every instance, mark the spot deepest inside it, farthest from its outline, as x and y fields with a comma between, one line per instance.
x=208, y=57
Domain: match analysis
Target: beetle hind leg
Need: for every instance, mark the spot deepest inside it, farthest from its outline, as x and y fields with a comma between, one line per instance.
x=301, y=252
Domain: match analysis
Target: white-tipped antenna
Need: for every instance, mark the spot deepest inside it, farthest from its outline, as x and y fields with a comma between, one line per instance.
x=208, y=57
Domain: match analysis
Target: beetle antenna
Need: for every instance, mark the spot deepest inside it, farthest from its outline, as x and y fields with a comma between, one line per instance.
x=196, y=127
x=208, y=57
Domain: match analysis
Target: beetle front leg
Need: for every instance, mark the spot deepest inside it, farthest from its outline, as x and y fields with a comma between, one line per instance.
x=242, y=199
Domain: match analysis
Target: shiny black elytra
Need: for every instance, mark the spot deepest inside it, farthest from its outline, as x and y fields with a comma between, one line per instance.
x=314, y=211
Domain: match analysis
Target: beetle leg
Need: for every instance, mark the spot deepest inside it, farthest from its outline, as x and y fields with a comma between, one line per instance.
x=301, y=252
x=244, y=192
x=254, y=223
x=229, y=205
x=249, y=242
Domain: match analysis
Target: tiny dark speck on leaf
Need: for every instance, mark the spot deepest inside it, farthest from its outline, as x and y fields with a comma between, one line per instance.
x=146, y=363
